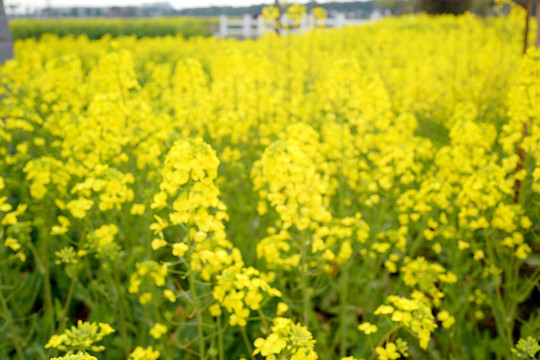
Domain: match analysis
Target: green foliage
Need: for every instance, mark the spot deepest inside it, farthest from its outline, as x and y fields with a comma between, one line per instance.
x=480, y=7
x=527, y=348
x=96, y=28
x=396, y=6
x=445, y=6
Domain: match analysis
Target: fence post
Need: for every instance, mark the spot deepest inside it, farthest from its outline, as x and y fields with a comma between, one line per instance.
x=223, y=26
x=304, y=24
x=283, y=24
x=260, y=26
x=340, y=20
x=247, y=26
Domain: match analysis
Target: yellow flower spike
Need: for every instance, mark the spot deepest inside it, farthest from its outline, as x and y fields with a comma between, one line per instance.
x=401, y=316
x=478, y=255
x=282, y=308
x=388, y=353
x=62, y=228
x=10, y=219
x=158, y=330
x=523, y=251
x=179, y=249
x=12, y=243
x=4, y=206
x=141, y=353
x=424, y=336
x=21, y=256
x=79, y=207
x=158, y=243
x=429, y=234
x=169, y=294
x=159, y=225
x=56, y=341
x=240, y=289
x=479, y=315
x=525, y=222
x=448, y=278
x=137, y=209
x=286, y=339
x=367, y=328
x=106, y=329
x=160, y=201
x=319, y=13
x=61, y=204
x=215, y=310
x=446, y=319
x=145, y=298
x=77, y=356
x=517, y=238
x=81, y=338
x=270, y=13
x=384, y=310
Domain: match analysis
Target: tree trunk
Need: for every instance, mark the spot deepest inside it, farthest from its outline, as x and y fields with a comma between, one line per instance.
x=528, y=5
x=537, y=43
x=6, y=44
x=277, y=25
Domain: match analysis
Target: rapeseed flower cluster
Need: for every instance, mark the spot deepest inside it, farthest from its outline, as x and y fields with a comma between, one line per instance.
x=81, y=339
x=148, y=276
x=240, y=290
x=141, y=353
x=189, y=176
x=286, y=341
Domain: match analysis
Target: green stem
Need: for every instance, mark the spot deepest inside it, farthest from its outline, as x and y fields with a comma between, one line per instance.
x=343, y=318
x=246, y=341
x=49, y=310
x=121, y=311
x=220, y=339
x=529, y=284
x=46, y=241
x=497, y=302
x=12, y=329
x=263, y=319
x=384, y=339
x=305, y=288
x=44, y=270
x=74, y=281
x=62, y=322
x=198, y=315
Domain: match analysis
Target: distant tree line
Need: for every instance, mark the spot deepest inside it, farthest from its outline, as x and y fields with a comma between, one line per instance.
x=480, y=7
x=354, y=8
x=363, y=9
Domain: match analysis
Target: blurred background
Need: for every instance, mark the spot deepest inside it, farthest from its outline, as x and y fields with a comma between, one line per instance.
x=141, y=8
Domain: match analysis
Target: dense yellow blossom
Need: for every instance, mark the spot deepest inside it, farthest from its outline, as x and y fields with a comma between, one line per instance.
x=383, y=191
x=141, y=353
x=158, y=330
x=287, y=341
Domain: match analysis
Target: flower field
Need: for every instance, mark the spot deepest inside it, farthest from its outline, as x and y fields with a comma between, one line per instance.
x=364, y=193
x=96, y=28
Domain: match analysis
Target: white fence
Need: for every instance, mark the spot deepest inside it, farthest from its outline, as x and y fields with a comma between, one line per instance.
x=248, y=27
